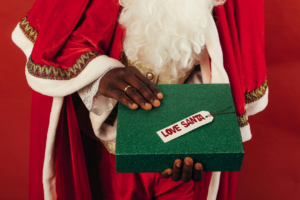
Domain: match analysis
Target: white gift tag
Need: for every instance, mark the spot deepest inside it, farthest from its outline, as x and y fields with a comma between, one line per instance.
x=184, y=126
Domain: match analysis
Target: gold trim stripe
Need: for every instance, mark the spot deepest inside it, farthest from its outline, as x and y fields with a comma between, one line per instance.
x=243, y=120
x=257, y=93
x=109, y=146
x=28, y=30
x=55, y=73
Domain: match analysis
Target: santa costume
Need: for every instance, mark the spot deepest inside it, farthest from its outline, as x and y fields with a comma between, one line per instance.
x=71, y=44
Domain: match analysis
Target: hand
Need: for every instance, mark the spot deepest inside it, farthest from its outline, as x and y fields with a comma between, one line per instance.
x=141, y=91
x=186, y=172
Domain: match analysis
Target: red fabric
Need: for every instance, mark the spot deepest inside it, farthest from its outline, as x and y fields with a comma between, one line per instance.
x=108, y=185
x=228, y=185
x=71, y=173
x=40, y=113
x=250, y=23
x=201, y=188
x=241, y=30
x=67, y=31
x=230, y=60
x=78, y=33
x=84, y=169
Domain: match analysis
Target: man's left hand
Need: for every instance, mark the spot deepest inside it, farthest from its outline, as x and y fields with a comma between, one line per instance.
x=184, y=171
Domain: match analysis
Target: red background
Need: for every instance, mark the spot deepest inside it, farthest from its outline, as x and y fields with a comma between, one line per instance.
x=272, y=161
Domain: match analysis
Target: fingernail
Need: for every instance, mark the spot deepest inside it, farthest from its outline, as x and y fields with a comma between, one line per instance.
x=178, y=164
x=169, y=172
x=188, y=163
x=198, y=167
x=148, y=105
x=160, y=95
x=134, y=106
x=156, y=103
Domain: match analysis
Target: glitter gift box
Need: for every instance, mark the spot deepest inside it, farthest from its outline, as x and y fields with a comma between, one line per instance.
x=217, y=145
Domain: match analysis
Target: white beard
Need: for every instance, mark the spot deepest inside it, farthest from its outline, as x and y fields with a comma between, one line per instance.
x=168, y=34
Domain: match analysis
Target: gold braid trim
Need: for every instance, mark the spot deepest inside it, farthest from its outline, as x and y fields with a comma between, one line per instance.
x=55, y=73
x=257, y=93
x=242, y=120
x=28, y=30
x=109, y=146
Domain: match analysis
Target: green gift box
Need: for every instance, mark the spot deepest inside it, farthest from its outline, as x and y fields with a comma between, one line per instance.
x=217, y=145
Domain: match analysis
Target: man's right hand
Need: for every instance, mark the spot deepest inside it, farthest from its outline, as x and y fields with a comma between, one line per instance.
x=130, y=87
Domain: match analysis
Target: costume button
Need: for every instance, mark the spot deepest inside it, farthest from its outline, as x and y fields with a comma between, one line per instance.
x=149, y=76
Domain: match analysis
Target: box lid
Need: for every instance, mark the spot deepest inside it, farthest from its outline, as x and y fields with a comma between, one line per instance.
x=136, y=129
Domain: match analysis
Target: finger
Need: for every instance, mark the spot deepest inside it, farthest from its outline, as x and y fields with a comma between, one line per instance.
x=167, y=173
x=138, y=74
x=187, y=170
x=134, y=95
x=177, y=168
x=198, y=172
x=123, y=98
x=143, y=89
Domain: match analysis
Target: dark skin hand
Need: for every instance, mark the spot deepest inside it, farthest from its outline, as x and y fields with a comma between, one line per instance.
x=141, y=93
x=184, y=171
x=144, y=94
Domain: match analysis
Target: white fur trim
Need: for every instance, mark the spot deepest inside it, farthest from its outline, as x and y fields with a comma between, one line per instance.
x=22, y=41
x=49, y=160
x=48, y=179
x=259, y=105
x=252, y=109
x=205, y=66
x=92, y=71
x=246, y=133
x=103, y=131
x=214, y=186
x=219, y=2
x=87, y=76
x=58, y=89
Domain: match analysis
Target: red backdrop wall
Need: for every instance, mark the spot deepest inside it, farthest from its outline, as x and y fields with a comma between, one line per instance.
x=270, y=168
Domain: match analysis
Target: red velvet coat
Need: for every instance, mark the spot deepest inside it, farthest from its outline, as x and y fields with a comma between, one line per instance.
x=67, y=32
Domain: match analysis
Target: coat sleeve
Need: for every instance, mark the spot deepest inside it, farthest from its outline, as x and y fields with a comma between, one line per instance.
x=241, y=29
x=66, y=48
